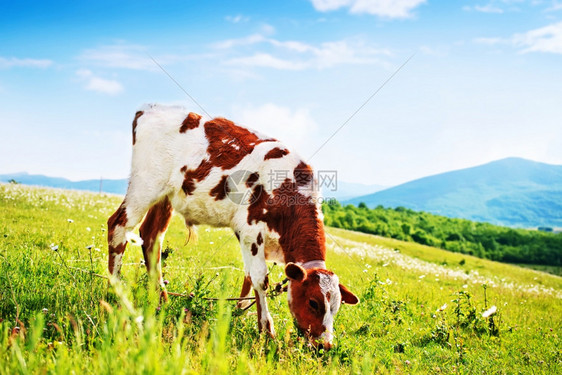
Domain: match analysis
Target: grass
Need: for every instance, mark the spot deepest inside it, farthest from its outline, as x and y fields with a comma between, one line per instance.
x=420, y=312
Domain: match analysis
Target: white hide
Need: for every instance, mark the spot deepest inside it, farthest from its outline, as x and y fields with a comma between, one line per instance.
x=329, y=285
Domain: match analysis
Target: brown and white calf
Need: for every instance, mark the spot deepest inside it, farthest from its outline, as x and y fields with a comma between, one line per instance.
x=215, y=172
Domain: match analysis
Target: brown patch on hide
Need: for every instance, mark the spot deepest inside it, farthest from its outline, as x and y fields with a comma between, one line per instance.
x=254, y=249
x=276, y=153
x=190, y=122
x=191, y=176
x=303, y=174
x=221, y=190
x=251, y=180
x=137, y=115
x=229, y=143
x=294, y=217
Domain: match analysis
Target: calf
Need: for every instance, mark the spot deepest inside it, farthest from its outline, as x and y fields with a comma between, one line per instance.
x=215, y=172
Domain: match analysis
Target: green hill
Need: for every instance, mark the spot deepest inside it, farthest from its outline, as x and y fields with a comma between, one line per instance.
x=513, y=192
x=458, y=235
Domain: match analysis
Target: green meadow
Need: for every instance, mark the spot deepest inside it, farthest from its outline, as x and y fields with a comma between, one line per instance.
x=422, y=310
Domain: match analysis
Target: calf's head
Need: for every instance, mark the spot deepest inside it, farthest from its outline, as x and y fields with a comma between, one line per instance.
x=315, y=296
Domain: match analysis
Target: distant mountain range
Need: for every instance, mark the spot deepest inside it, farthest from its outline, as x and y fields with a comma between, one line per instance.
x=513, y=192
x=340, y=191
x=107, y=186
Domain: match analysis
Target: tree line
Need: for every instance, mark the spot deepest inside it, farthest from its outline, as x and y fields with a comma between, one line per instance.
x=483, y=240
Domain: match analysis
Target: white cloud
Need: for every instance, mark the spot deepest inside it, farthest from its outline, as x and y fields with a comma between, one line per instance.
x=237, y=18
x=381, y=8
x=501, y=6
x=489, y=8
x=296, y=55
x=343, y=52
x=295, y=128
x=292, y=45
x=267, y=29
x=12, y=62
x=119, y=56
x=556, y=6
x=248, y=40
x=95, y=83
x=133, y=56
x=489, y=41
x=327, y=5
x=546, y=39
x=265, y=60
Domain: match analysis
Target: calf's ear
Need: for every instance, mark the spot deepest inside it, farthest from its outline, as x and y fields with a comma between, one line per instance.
x=295, y=272
x=348, y=297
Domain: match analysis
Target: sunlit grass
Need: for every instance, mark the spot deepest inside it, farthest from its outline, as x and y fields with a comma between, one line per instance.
x=59, y=317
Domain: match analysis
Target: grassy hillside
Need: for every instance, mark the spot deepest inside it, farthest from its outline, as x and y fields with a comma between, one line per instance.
x=512, y=192
x=458, y=235
x=420, y=312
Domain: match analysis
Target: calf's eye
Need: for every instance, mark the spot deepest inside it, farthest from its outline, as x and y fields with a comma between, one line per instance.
x=313, y=304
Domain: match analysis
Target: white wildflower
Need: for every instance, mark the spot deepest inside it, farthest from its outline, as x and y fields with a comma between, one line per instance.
x=54, y=247
x=422, y=276
x=491, y=311
x=442, y=308
x=70, y=221
x=88, y=229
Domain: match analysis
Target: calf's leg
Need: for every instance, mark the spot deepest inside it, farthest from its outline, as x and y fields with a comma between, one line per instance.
x=245, y=292
x=152, y=232
x=251, y=242
x=123, y=221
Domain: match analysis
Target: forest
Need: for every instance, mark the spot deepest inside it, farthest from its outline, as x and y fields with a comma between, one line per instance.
x=483, y=240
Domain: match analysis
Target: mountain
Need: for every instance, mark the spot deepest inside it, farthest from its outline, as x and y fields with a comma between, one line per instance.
x=513, y=192
x=108, y=186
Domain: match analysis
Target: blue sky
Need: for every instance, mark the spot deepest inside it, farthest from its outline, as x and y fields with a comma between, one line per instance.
x=484, y=82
